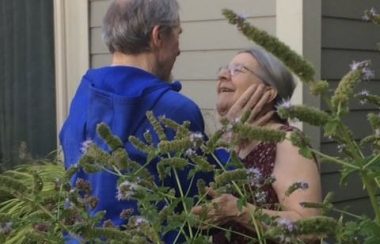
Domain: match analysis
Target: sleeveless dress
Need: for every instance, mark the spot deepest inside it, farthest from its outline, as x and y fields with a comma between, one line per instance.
x=261, y=159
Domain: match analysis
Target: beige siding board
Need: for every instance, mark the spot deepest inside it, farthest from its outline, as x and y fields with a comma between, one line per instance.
x=97, y=10
x=353, y=189
x=202, y=35
x=212, y=9
x=198, y=10
x=335, y=63
x=200, y=65
x=210, y=118
x=349, y=34
x=347, y=8
x=100, y=60
x=213, y=35
x=202, y=92
x=96, y=43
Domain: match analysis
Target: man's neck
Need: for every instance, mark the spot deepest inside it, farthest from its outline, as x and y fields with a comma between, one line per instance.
x=143, y=61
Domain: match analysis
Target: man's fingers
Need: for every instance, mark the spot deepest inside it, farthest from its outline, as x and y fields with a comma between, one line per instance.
x=196, y=210
x=211, y=192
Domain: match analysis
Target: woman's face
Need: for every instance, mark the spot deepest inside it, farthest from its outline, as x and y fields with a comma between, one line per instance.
x=234, y=79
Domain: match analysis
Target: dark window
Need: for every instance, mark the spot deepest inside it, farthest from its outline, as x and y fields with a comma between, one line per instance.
x=27, y=83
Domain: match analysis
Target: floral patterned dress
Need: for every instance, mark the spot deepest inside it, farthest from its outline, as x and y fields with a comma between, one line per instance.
x=260, y=160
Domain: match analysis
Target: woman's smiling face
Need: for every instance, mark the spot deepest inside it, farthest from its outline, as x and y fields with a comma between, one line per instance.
x=234, y=79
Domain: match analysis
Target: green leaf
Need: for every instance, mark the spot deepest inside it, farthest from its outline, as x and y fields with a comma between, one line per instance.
x=38, y=183
x=234, y=162
x=241, y=202
x=175, y=222
x=227, y=234
x=345, y=173
x=306, y=152
x=188, y=201
x=200, y=240
x=331, y=127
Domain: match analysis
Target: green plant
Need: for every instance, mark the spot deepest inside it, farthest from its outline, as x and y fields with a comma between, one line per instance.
x=353, y=159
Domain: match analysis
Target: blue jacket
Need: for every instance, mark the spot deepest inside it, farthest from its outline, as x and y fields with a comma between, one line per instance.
x=120, y=97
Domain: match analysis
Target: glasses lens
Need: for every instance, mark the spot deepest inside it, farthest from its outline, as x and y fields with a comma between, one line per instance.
x=222, y=69
x=235, y=69
x=232, y=69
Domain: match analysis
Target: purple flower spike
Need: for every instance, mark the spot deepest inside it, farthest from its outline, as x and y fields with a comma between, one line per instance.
x=303, y=185
x=370, y=14
x=85, y=145
x=140, y=221
x=286, y=224
x=368, y=73
x=286, y=104
x=126, y=190
x=243, y=15
x=364, y=93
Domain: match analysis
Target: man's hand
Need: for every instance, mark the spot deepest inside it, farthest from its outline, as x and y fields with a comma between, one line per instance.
x=222, y=209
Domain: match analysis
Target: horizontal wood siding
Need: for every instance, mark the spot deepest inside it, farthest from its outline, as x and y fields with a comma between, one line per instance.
x=346, y=38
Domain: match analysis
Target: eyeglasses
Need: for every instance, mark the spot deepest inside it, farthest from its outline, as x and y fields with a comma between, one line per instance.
x=234, y=69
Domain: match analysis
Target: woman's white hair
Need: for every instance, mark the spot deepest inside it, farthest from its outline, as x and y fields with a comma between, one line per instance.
x=273, y=72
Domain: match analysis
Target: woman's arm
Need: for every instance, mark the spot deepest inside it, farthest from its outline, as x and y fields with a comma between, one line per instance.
x=290, y=167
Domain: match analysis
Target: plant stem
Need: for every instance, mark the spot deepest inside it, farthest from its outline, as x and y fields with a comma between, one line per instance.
x=257, y=229
x=182, y=196
x=372, y=195
x=346, y=213
x=191, y=182
x=371, y=161
x=224, y=229
x=141, y=168
x=357, y=155
x=47, y=212
x=335, y=160
x=59, y=201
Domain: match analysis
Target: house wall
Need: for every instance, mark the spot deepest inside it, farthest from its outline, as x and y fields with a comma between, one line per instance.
x=346, y=38
x=207, y=42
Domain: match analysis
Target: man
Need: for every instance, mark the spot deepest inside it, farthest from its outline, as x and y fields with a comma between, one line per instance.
x=143, y=38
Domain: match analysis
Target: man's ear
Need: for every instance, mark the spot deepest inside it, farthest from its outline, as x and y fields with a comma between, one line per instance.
x=156, y=37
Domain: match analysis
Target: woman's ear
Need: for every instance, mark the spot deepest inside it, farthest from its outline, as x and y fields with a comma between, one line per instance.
x=272, y=94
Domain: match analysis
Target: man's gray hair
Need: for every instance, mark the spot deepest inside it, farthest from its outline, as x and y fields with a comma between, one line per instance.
x=128, y=24
x=273, y=72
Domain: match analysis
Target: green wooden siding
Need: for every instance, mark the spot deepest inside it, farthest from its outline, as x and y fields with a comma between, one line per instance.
x=346, y=38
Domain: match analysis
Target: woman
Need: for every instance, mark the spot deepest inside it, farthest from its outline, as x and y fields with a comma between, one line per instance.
x=250, y=73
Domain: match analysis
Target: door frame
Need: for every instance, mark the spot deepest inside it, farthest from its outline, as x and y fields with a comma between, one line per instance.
x=71, y=41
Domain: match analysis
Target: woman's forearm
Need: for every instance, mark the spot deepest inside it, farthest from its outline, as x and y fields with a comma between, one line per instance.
x=245, y=218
